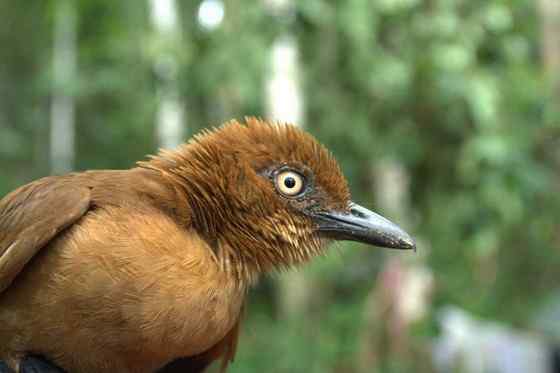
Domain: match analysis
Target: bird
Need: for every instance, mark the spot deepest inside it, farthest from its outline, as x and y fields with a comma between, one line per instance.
x=148, y=269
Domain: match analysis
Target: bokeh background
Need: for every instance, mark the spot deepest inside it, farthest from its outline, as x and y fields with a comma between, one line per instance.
x=443, y=113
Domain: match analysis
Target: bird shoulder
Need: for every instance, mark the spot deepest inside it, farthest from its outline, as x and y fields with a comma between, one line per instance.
x=33, y=215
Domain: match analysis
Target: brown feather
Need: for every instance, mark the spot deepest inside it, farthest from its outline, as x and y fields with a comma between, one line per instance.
x=107, y=271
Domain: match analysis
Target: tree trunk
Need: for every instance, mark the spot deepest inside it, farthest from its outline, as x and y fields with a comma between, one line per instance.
x=284, y=103
x=400, y=295
x=284, y=96
x=170, y=117
x=550, y=16
x=550, y=28
x=62, y=152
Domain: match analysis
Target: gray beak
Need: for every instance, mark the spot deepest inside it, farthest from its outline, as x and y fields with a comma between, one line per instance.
x=363, y=225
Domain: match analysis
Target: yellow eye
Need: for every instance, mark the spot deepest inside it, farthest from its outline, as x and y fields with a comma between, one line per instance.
x=289, y=183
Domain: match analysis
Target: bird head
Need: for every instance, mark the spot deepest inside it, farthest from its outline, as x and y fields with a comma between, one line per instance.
x=267, y=196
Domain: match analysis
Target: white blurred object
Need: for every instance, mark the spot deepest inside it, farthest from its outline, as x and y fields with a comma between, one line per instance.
x=211, y=14
x=473, y=346
x=170, y=115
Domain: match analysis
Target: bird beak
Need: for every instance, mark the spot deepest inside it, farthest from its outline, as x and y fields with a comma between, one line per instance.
x=363, y=225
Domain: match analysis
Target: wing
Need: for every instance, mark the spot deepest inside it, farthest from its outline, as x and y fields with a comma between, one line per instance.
x=33, y=215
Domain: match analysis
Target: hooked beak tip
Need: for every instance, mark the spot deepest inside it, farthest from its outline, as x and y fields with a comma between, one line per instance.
x=408, y=243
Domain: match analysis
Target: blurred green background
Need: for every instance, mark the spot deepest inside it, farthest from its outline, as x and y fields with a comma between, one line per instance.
x=443, y=113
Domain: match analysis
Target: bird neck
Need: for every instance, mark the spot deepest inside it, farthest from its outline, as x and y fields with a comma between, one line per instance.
x=250, y=250
x=245, y=242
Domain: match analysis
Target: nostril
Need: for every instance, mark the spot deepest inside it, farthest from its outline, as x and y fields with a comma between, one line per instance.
x=357, y=213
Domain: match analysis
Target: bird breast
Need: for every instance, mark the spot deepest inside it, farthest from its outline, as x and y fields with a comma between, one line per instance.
x=123, y=289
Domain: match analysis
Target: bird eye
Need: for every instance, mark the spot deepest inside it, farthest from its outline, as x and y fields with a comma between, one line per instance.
x=289, y=183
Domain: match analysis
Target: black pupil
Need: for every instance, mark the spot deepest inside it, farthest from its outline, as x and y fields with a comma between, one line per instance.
x=290, y=182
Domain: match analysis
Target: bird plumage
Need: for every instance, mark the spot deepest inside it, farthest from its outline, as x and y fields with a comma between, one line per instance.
x=127, y=271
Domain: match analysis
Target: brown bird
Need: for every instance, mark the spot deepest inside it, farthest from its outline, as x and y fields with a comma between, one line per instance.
x=130, y=271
